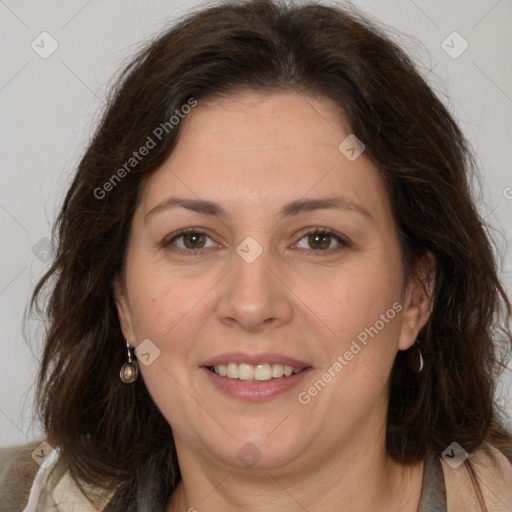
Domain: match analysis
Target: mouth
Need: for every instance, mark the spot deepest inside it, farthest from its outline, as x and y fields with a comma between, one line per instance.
x=254, y=377
x=250, y=372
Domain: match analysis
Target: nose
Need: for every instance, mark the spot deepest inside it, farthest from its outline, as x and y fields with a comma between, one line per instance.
x=255, y=296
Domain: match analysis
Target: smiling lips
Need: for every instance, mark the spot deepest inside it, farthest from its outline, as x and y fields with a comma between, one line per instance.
x=250, y=372
x=254, y=377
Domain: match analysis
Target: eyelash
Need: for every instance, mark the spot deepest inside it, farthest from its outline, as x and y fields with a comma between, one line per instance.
x=343, y=242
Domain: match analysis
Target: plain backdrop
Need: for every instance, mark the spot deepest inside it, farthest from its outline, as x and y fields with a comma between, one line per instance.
x=49, y=105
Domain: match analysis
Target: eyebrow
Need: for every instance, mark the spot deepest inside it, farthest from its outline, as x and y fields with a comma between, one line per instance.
x=291, y=209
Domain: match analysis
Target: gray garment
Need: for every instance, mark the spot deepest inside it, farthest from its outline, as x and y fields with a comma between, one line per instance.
x=433, y=493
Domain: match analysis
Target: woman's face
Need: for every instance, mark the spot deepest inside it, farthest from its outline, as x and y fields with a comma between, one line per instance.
x=252, y=290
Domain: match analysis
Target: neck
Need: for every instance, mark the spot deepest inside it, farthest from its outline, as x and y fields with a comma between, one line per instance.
x=358, y=475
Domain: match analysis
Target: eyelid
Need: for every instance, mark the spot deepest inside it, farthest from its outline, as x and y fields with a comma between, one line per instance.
x=342, y=240
x=167, y=240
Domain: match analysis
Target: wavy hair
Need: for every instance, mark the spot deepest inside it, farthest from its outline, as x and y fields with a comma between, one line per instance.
x=113, y=436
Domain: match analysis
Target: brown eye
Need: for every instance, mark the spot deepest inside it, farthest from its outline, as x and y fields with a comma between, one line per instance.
x=188, y=241
x=194, y=240
x=322, y=241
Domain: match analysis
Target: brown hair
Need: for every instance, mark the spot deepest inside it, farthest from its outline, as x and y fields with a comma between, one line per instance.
x=112, y=435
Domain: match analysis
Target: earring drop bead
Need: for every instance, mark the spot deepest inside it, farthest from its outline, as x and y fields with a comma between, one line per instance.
x=130, y=369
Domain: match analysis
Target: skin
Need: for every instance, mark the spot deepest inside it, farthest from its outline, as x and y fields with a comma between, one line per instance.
x=252, y=154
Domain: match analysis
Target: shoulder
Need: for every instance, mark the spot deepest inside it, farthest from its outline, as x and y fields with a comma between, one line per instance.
x=23, y=482
x=17, y=472
x=493, y=471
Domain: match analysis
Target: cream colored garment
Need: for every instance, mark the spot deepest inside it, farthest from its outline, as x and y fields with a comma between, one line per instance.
x=54, y=490
x=494, y=475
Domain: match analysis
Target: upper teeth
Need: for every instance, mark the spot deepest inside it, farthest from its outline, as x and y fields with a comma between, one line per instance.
x=262, y=371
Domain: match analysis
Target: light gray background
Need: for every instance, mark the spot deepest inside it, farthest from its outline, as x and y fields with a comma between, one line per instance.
x=49, y=106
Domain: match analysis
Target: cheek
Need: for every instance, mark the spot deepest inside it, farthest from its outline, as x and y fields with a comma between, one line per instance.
x=171, y=312
x=159, y=301
x=352, y=379
x=353, y=301
x=362, y=311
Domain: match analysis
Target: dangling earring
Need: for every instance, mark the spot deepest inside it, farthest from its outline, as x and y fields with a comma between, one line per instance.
x=130, y=369
x=416, y=362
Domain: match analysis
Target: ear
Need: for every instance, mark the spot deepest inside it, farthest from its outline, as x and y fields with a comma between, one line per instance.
x=418, y=300
x=123, y=309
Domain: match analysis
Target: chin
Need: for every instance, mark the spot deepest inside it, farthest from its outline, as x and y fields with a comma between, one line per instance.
x=267, y=446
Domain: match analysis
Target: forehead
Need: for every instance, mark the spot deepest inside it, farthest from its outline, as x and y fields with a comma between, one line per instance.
x=254, y=123
x=255, y=151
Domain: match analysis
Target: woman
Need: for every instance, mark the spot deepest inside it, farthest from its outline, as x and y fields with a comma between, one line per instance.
x=272, y=289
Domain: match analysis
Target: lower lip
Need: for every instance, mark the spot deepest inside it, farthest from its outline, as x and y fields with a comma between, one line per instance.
x=254, y=390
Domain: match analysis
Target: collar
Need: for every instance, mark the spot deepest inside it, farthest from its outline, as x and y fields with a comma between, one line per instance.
x=53, y=488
